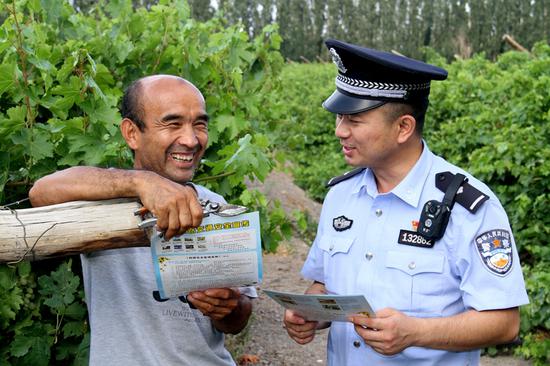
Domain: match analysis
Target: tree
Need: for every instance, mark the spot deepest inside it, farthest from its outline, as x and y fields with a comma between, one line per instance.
x=201, y=10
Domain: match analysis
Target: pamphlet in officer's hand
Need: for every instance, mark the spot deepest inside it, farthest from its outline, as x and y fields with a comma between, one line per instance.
x=323, y=307
x=221, y=252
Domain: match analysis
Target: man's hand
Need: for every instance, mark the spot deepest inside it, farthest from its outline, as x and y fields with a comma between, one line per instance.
x=227, y=307
x=176, y=206
x=391, y=331
x=215, y=303
x=299, y=329
x=388, y=333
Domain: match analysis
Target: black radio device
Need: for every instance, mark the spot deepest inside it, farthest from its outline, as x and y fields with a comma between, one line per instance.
x=435, y=215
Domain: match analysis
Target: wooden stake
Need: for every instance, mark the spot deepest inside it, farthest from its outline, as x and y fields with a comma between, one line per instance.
x=69, y=228
x=512, y=42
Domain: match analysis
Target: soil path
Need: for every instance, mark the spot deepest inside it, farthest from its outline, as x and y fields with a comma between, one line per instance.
x=265, y=337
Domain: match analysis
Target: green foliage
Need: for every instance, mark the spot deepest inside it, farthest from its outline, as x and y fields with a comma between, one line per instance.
x=306, y=130
x=43, y=321
x=490, y=118
x=62, y=75
x=306, y=225
x=272, y=215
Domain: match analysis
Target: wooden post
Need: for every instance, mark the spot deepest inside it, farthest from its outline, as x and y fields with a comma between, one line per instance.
x=69, y=228
x=513, y=43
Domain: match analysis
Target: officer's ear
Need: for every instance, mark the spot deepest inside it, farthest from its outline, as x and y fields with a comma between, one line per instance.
x=131, y=133
x=406, y=125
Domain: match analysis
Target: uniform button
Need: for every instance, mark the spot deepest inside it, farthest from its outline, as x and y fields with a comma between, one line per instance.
x=356, y=344
x=331, y=247
x=412, y=265
x=369, y=256
x=378, y=212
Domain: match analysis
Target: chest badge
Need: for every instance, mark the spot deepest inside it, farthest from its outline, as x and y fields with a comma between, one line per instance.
x=341, y=223
x=413, y=238
x=407, y=237
x=495, y=250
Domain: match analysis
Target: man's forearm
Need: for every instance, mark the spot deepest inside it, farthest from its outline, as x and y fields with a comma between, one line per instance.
x=234, y=322
x=84, y=183
x=469, y=330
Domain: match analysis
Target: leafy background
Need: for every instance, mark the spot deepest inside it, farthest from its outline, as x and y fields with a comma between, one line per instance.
x=61, y=78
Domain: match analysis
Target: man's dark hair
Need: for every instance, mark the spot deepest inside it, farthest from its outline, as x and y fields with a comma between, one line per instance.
x=131, y=106
x=416, y=108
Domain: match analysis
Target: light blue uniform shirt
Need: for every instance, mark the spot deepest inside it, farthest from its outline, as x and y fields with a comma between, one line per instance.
x=442, y=281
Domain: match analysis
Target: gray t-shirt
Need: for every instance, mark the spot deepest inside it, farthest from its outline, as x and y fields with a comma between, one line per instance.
x=130, y=327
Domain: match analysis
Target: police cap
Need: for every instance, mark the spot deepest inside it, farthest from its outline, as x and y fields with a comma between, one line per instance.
x=368, y=78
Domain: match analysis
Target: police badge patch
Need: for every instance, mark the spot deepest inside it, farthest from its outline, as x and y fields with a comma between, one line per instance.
x=341, y=223
x=495, y=250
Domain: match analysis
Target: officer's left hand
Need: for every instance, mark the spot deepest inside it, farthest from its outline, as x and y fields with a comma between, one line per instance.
x=388, y=333
x=215, y=303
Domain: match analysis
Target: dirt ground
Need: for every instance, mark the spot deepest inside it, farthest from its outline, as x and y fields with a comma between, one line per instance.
x=265, y=341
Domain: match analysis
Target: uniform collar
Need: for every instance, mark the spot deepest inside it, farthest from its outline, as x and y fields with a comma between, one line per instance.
x=410, y=188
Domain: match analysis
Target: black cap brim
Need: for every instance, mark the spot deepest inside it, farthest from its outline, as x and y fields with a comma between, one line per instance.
x=341, y=103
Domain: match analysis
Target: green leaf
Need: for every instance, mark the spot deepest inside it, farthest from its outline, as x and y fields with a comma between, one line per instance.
x=40, y=145
x=119, y=8
x=42, y=64
x=7, y=77
x=81, y=357
x=4, y=169
x=75, y=311
x=72, y=89
x=52, y=9
x=224, y=122
x=32, y=346
x=74, y=329
x=36, y=143
x=34, y=5
x=59, y=288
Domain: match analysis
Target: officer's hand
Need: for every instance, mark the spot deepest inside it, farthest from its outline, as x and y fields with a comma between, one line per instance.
x=215, y=303
x=176, y=206
x=388, y=333
x=299, y=329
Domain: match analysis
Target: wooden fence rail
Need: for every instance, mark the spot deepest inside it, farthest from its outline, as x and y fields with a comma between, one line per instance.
x=69, y=228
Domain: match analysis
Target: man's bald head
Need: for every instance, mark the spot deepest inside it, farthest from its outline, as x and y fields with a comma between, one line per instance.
x=132, y=106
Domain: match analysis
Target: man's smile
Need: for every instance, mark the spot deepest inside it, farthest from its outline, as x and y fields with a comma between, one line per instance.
x=184, y=157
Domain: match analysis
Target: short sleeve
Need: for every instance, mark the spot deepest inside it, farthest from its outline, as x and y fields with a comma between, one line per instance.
x=313, y=268
x=488, y=262
x=205, y=193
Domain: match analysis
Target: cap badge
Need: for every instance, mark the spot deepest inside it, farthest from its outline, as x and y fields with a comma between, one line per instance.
x=337, y=60
x=495, y=250
x=341, y=223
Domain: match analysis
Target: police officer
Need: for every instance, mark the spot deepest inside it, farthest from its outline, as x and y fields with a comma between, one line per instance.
x=438, y=300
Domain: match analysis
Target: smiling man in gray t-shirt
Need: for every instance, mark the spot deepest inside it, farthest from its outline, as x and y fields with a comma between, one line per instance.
x=166, y=126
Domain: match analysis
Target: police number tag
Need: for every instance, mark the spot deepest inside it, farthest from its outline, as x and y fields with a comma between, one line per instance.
x=413, y=238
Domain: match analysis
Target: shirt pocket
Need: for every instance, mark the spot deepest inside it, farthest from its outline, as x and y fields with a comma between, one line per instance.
x=337, y=262
x=420, y=279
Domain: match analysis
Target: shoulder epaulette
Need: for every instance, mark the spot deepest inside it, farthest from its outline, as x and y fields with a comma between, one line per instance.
x=343, y=177
x=468, y=196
